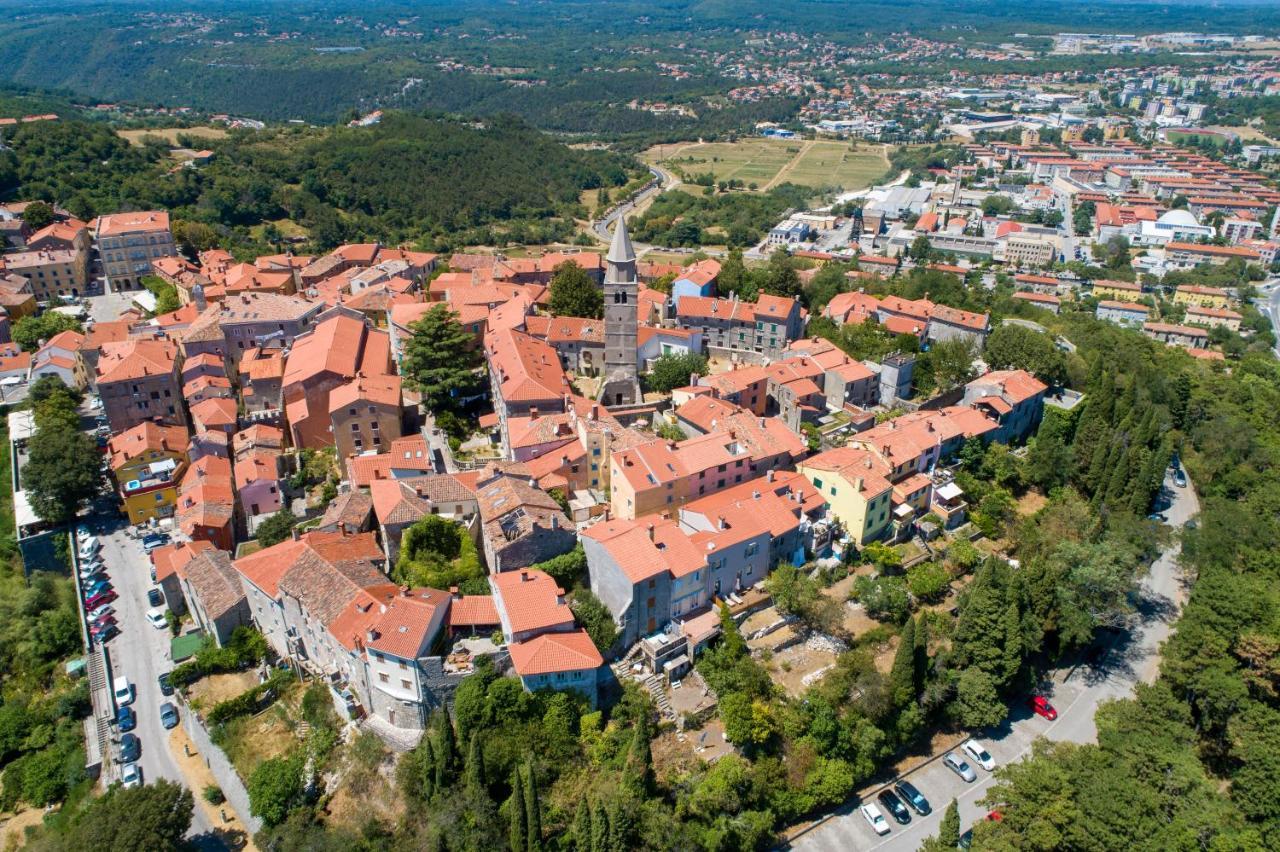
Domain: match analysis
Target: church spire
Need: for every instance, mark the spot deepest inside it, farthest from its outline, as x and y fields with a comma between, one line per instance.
x=620, y=250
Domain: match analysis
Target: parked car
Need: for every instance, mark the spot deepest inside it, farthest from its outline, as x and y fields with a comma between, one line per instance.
x=95, y=601
x=126, y=719
x=981, y=756
x=913, y=797
x=168, y=715
x=107, y=635
x=1159, y=517
x=102, y=624
x=1190, y=524
x=153, y=540
x=1041, y=707
x=155, y=597
x=88, y=547
x=97, y=587
x=957, y=764
x=966, y=840
x=105, y=609
x=894, y=806
x=875, y=819
x=156, y=618
x=994, y=816
x=1180, y=478
x=130, y=748
x=166, y=686
x=131, y=775
x=122, y=691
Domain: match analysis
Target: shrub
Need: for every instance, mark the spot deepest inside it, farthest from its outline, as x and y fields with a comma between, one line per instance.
x=213, y=794
x=885, y=598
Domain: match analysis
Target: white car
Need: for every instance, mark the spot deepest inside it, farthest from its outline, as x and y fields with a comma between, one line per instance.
x=980, y=755
x=131, y=775
x=156, y=617
x=89, y=547
x=101, y=612
x=875, y=819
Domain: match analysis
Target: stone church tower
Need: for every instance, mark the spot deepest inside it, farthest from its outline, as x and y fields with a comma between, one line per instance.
x=621, y=312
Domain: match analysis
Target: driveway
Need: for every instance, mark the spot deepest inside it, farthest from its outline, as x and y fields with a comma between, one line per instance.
x=141, y=653
x=1076, y=693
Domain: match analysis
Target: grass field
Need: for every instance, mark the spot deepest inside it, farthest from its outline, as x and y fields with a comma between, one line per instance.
x=768, y=162
x=170, y=134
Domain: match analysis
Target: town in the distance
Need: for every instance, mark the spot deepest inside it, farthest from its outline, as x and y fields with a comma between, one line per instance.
x=830, y=453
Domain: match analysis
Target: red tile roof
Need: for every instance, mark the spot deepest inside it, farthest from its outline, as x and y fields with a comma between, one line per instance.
x=555, y=652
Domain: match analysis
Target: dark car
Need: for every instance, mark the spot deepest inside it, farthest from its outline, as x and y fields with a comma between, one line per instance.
x=894, y=806
x=130, y=748
x=155, y=597
x=966, y=839
x=126, y=719
x=166, y=687
x=913, y=797
x=107, y=635
x=1179, y=478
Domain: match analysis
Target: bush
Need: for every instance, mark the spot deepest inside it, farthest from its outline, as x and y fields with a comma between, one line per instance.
x=213, y=794
x=885, y=598
x=928, y=582
x=247, y=702
x=276, y=528
x=567, y=568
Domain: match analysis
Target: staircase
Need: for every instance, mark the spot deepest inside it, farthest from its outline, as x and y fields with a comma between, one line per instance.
x=653, y=683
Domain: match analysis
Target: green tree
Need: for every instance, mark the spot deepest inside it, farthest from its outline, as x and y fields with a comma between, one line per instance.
x=475, y=774
x=674, y=370
x=949, y=830
x=567, y=569
x=37, y=215
x=50, y=389
x=275, y=787
x=952, y=362
x=62, y=473
x=595, y=618
x=29, y=331
x=517, y=816
x=920, y=249
x=440, y=358
x=599, y=826
x=533, y=811
x=928, y=582
x=276, y=528
x=154, y=816
x=977, y=703
x=902, y=677
x=1015, y=347
x=574, y=293
x=781, y=278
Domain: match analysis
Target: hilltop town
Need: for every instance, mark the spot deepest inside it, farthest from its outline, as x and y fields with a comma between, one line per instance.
x=847, y=440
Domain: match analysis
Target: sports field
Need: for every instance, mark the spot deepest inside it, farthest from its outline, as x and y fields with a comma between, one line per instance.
x=768, y=162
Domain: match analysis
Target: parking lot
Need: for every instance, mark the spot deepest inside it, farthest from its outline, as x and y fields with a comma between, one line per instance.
x=139, y=652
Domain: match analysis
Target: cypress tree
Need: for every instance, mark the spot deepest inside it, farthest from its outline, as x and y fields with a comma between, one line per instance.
x=1119, y=470
x=517, y=830
x=949, y=833
x=621, y=825
x=533, y=814
x=638, y=772
x=921, y=665
x=582, y=827
x=1012, y=630
x=902, y=677
x=475, y=765
x=428, y=768
x=599, y=827
x=448, y=746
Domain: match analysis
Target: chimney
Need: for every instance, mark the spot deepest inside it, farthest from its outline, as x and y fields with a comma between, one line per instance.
x=649, y=529
x=294, y=532
x=404, y=592
x=342, y=527
x=720, y=523
x=524, y=576
x=595, y=412
x=555, y=522
x=371, y=635
x=857, y=483
x=671, y=445
x=533, y=412
x=454, y=593
x=768, y=476
x=755, y=494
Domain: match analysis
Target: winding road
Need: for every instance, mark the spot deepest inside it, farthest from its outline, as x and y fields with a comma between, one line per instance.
x=1076, y=692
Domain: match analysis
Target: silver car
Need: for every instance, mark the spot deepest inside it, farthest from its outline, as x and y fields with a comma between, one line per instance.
x=957, y=764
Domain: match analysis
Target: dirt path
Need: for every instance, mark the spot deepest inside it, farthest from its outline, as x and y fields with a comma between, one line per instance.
x=197, y=775
x=788, y=166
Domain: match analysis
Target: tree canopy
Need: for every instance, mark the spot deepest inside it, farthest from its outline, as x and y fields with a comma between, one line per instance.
x=574, y=293
x=441, y=358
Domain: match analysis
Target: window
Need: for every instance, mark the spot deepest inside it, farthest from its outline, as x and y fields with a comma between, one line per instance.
x=383, y=677
x=355, y=427
x=817, y=483
x=405, y=684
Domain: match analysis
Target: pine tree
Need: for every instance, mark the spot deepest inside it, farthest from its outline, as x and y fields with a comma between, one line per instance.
x=582, y=827
x=533, y=814
x=1098, y=466
x=599, y=827
x=517, y=831
x=902, y=677
x=949, y=833
x=440, y=358
x=1119, y=470
x=979, y=634
x=475, y=765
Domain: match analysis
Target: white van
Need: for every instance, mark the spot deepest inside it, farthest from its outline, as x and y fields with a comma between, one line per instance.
x=123, y=691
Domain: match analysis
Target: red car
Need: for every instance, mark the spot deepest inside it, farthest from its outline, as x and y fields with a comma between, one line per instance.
x=1041, y=707
x=995, y=816
x=100, y=599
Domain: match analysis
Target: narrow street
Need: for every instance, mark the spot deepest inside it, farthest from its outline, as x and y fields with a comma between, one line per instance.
x=1076, y=693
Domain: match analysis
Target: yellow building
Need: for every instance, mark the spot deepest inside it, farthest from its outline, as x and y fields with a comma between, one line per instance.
x=856, y=489
x=1075, y=133
x=1205, y=297
x=1120, y=291
x=147, y=461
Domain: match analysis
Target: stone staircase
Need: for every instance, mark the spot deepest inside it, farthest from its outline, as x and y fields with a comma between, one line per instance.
x=653, y=683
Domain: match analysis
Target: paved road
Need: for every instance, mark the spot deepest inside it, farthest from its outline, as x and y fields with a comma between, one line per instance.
x=604, y=227
x=1076, y=693
x=141, y=653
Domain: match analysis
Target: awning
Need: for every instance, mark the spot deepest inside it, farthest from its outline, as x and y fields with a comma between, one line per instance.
x=950, y=491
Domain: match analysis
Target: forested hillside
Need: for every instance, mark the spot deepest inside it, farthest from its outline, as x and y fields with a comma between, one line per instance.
x=407, y=178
